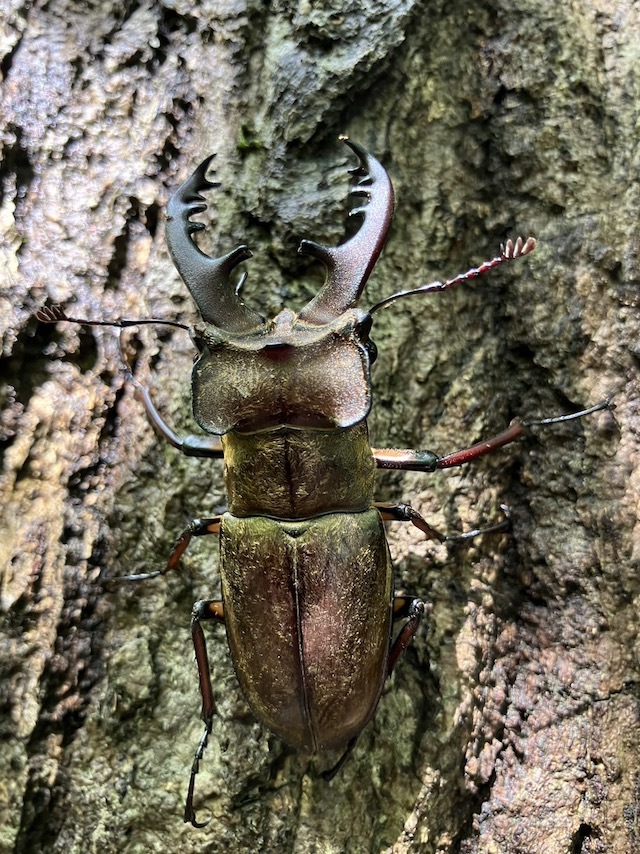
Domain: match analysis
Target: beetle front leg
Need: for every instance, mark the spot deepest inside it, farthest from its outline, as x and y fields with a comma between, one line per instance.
x=190, y=446
x=205, y=609
x=406, y=459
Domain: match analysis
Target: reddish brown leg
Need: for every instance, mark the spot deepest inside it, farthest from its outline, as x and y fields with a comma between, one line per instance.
x=196, y=528
x=426, y=461
x=406, y=513
x=404, y=608
x=209, y=609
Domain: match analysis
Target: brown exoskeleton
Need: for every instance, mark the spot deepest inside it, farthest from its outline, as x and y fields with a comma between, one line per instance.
x=307, y=580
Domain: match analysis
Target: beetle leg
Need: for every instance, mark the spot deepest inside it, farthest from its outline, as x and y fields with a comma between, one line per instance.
x=330, y=773
x=411, y=609
x=426, y=461
x=196, y=528
x=205, y=609
x=404, y=607
x=513, y=432
x=405, y=459
x=406, y=513
x=190, y=446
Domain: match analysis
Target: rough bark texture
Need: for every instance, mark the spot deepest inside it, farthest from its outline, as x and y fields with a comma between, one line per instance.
x=512, y=725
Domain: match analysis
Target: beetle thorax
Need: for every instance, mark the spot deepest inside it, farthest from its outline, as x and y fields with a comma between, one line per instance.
x=288, y=373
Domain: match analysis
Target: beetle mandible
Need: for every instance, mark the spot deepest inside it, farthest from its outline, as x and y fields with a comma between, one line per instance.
x=304, y=563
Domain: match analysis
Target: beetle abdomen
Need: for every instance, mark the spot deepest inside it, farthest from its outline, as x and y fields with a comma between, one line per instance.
x=308, y=610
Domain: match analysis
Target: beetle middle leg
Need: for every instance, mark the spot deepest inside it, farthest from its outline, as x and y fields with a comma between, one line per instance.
x=196, y=528
x=406, y=513
x=406, y=459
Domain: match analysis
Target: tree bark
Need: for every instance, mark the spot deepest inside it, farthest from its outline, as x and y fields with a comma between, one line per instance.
x=512, y=723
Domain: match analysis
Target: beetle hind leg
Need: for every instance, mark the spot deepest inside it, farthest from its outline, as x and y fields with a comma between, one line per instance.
x=411, y=609
x=189, y=811
x=330, y=773
x=205, y=609
x=404, y=607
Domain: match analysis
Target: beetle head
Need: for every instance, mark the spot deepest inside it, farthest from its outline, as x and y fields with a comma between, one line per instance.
x=309, y=369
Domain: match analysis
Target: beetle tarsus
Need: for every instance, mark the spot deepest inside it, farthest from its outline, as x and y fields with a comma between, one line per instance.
x=516, y=429
x=499, y=528
x=189, y=811
x=572, y=416
x=330, y=773
x=140, y=576
x=196, y=528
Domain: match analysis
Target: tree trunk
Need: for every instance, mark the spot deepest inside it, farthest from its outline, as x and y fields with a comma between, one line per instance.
x=512, y=724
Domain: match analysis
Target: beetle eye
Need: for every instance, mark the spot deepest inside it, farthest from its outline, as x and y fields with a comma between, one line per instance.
x=198, y=342
x=362, y=331
x=363, y=328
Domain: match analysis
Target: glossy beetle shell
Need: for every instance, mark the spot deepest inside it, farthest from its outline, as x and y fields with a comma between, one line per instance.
x=308, y=616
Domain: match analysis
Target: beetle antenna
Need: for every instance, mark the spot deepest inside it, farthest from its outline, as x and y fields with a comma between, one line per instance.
x=55, y=314
x=508, y=252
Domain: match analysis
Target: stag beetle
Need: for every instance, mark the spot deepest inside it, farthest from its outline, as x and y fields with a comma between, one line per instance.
x=304, y=562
